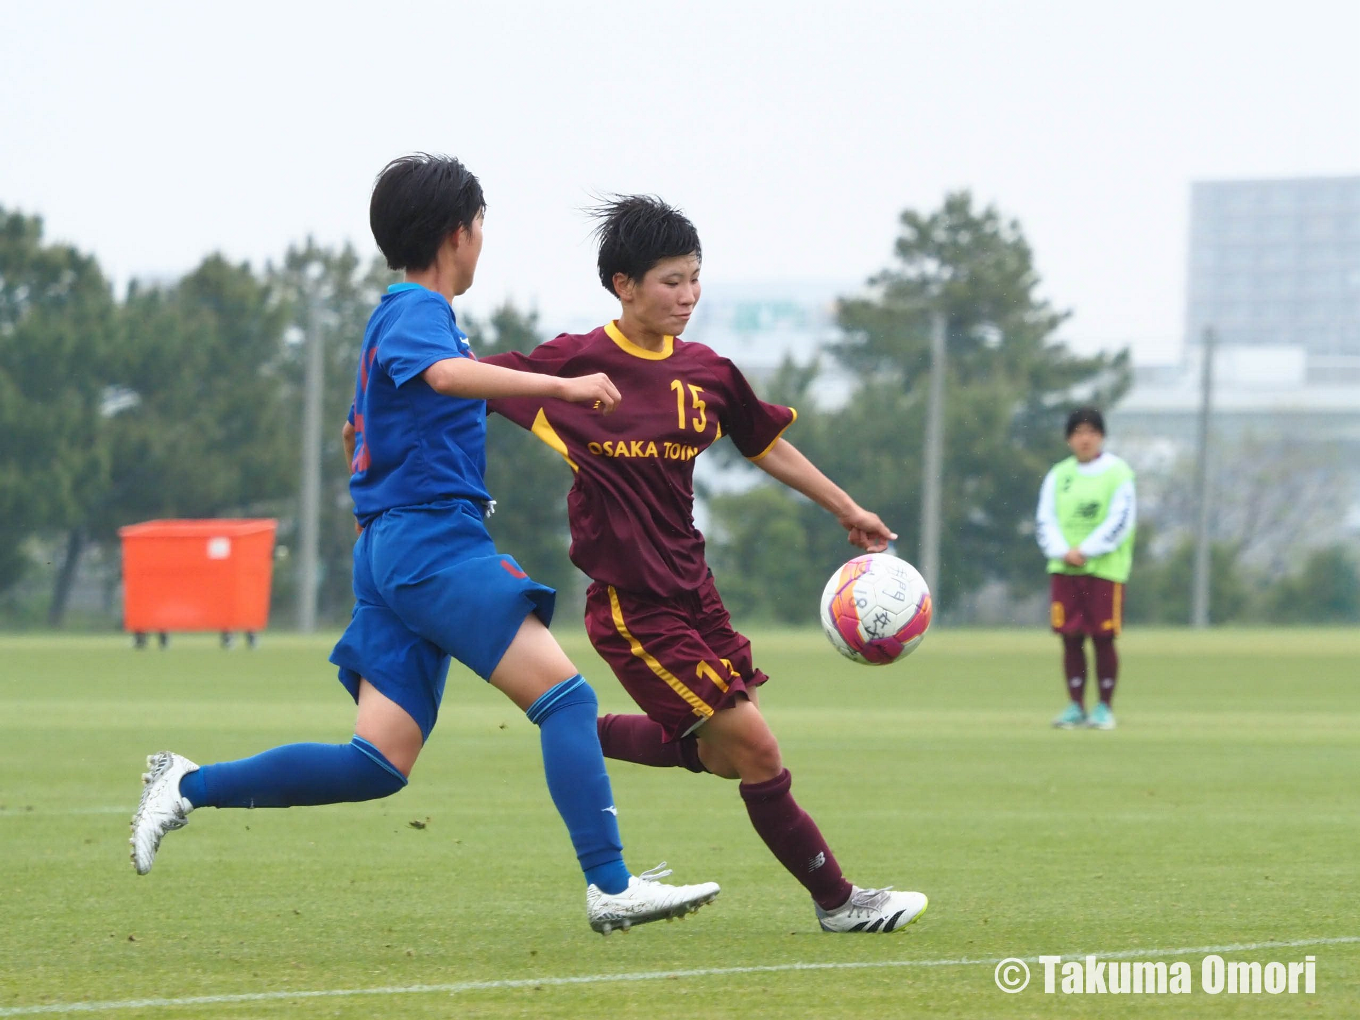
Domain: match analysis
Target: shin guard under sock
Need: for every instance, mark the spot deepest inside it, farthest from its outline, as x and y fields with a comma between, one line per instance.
x=794, y=839
x=1074, y=666
x=295, y=775
x=1107, y=667
x=578, y=782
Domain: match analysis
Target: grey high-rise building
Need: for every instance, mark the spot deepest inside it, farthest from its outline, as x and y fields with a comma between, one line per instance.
x=1274, y=270
x=1276, y=263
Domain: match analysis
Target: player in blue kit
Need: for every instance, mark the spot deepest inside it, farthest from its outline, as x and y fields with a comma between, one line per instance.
x=428, y=581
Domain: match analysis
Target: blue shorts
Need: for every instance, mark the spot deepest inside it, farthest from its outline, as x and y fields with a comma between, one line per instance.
x=429, y=584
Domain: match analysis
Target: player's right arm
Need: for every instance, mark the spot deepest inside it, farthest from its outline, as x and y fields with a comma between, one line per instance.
x=476, y=380
x=1047, y=531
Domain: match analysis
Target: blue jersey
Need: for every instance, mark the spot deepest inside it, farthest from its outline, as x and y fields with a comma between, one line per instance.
x=413, y=445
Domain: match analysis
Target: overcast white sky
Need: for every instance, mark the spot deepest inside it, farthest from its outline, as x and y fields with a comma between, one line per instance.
x=793, y=133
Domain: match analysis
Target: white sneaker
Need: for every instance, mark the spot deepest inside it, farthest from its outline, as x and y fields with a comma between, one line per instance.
x=162, y=809
x=876, y=910
x=645, y=900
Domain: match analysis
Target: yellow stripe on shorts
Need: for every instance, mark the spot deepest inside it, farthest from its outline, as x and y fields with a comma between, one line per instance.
x=695, y=702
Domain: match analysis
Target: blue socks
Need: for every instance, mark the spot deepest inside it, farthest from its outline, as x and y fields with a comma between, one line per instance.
x=578, y=782
x=301, y=774
x=295, y=775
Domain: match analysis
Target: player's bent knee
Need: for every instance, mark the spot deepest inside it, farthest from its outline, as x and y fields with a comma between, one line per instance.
x=532, y=666
x=752, y=758
x=573, y=692
x=395, y=750
x=379, y=778
x=762, y=761
x=717, y=762
x=388, y=728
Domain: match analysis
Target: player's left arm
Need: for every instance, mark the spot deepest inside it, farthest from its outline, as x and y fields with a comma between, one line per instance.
x=785, y=463
x=347, y=438
x=1118, y=522
x=347, y=434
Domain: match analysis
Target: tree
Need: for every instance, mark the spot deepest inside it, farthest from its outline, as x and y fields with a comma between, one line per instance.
x=1160, y=589
x=1272, y=499
x=763, y=562
x=1008, y=387
x=341, y=291
x=1326, y=589
x=196, y=425
x=56, y=332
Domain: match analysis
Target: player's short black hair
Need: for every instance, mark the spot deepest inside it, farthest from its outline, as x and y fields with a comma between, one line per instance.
x=1085, y=416
x=418, y=201
x=638, y=231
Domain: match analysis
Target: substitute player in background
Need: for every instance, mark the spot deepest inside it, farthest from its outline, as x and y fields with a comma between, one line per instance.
x=652, y=611
x=1085, y=525
x=428, y=582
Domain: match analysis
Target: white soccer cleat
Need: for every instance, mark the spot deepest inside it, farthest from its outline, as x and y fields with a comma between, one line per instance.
x=874, y=910
x=645, y=900
x=162, y=808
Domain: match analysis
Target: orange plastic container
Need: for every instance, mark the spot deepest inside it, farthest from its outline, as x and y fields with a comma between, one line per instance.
x=197, y=575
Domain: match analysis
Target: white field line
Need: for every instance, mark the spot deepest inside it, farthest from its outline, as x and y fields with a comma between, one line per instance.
x=653, y=975
x=118, y=809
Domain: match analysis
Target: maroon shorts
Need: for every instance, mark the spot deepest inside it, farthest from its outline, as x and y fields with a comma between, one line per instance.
x=1082, y=604
x=678, y=657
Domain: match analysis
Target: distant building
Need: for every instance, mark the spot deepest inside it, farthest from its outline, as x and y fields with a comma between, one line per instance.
x=1274, y=270
x=1276, y=264
x=758, y=326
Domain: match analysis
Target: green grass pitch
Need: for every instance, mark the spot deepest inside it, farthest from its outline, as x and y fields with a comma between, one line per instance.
x=1224, y=811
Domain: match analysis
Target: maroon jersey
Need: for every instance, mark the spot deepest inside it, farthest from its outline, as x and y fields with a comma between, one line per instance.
x=631, y=505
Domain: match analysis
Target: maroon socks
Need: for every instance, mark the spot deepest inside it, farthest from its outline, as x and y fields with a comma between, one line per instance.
x=789, y=832
x=637, y=739
x=1107, y=666
x=1074, y=666
x=793, y=837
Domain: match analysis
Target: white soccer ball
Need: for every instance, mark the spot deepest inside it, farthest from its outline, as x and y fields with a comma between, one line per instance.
x=876, y=609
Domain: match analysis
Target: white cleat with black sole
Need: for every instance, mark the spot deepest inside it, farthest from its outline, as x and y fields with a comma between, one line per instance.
x=162, y=809
x=645, y=900
x=874, y=910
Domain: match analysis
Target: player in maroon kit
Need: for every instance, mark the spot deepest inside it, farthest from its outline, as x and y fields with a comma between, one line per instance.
x=652, y=611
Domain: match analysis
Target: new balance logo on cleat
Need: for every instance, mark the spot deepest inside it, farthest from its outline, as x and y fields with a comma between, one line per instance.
x=874, y=911
x=612, y=810
x=817, y=861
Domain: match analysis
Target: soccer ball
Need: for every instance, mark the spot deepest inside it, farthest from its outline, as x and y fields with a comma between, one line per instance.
x=875, y=609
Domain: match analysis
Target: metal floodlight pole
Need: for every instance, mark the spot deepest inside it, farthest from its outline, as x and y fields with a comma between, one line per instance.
x=933, y=469
x=309, y=508
x=1199, y=606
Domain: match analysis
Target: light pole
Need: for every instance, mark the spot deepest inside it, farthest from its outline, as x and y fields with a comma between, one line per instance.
x=1199, y=606
x=933, y=468
x=309, y=503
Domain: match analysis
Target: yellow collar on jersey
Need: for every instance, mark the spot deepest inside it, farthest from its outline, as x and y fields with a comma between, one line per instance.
x=628, y=347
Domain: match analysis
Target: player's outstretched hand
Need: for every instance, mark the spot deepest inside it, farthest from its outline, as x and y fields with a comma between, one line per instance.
x=867, y=530
x=594, y=389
